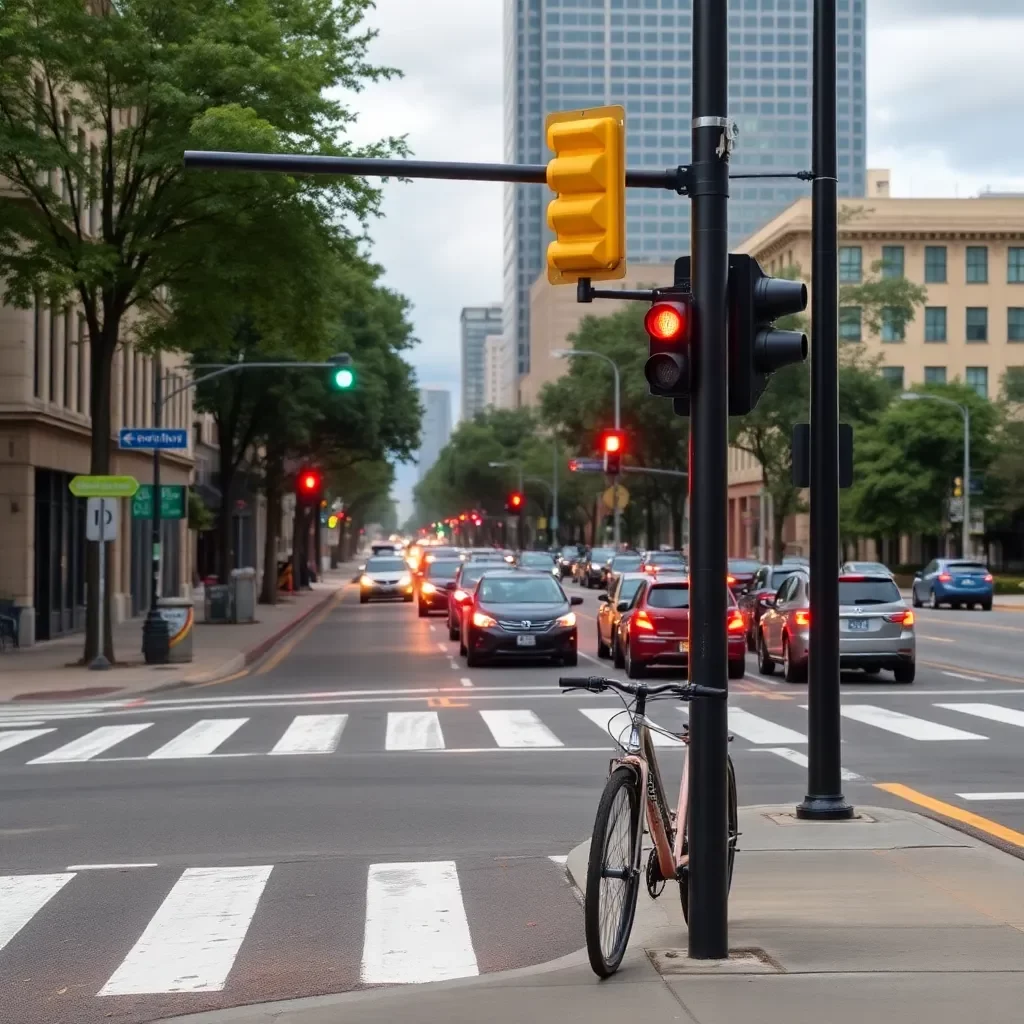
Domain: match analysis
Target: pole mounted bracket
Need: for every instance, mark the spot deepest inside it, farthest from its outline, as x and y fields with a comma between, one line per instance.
x=586, y=293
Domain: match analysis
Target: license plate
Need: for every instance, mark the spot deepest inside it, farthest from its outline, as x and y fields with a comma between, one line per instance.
x=526, y=641
x=967, y=583
x=858, y=625
x=684, y=646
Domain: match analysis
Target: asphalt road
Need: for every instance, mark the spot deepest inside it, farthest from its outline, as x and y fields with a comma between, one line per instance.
x=362, y=809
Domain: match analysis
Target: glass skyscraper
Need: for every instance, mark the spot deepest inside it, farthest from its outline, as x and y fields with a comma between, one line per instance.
x=567, y=54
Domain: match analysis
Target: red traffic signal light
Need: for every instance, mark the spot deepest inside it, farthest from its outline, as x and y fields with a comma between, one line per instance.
x=668, y=329
x=613, y=444
x=309, y=485
x=668, y=321
x=515, y=502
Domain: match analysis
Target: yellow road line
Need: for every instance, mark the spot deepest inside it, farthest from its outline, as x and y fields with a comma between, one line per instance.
x=992, y=828
x=973, y=671
x=304, y=631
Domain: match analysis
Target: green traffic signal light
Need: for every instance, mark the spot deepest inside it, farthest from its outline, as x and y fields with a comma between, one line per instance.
x=344, y=378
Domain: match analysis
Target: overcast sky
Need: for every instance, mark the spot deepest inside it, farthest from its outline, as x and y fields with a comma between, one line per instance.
x=944, y=115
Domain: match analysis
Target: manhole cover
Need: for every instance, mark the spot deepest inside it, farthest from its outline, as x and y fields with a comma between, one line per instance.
x=741, y=961
x=88, y=691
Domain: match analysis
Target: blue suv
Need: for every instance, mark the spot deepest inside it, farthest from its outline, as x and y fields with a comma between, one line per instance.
x=957, y=582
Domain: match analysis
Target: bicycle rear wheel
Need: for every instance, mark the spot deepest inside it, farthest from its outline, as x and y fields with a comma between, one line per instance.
x=734, y=831
x=613, y=873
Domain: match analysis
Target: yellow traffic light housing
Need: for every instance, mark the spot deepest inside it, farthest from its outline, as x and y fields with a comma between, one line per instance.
x=588, y=177
x=958, y=487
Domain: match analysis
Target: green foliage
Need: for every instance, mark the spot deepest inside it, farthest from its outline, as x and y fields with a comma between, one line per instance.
x=200, y=518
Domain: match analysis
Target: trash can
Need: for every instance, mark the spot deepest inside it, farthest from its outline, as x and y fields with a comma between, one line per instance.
x=218, y=603
x=243, y=595
x=179, y=614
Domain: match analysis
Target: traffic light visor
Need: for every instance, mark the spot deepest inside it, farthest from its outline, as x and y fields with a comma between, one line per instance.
x=666, y=321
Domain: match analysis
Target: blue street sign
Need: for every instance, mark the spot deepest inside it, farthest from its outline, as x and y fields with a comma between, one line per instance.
x=142, y=437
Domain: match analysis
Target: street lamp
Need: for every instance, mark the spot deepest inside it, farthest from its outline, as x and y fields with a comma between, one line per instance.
x=913, y=396
x=566, y=353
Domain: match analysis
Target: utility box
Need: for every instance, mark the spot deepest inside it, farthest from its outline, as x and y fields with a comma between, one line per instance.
x=218, y=602
x=243, y=595
x=179, y=614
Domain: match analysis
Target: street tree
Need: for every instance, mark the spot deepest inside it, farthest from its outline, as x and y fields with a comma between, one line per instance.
x=98, y=103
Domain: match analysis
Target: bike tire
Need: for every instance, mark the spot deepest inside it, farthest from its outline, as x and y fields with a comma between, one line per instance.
x=606, y=963
x=734, y=831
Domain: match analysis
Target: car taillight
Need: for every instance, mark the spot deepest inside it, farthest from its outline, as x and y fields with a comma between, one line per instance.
x=643, y=621
x=905, y=617
x=428, y=588
x=730, y=580
x=944, y=577
x=650, y=568
x=802, y=617
x=988, y=577
x=735, y=624
x=765, y=596
x=460, y=596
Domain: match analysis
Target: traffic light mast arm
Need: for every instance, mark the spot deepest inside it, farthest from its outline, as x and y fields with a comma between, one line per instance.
x=226, y=368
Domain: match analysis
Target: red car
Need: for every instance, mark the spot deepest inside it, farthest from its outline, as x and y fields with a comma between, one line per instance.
x=657, y=630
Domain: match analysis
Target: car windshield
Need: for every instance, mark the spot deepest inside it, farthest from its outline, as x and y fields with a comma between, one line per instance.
x=471, y=573
x=743, y=565
x=570, y=552
x=675, y=595
x=385, y=565
x=520, y=590
x=628, y=589
x=666, y=558
x=601, y=554
x=966, y=568
x=626, y=563
x=779, y=576
x=868, y=592
x=541, y=558
x=867, y=567
x=443, y=570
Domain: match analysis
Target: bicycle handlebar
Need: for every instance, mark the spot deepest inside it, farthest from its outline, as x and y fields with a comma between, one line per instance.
x=598, y=684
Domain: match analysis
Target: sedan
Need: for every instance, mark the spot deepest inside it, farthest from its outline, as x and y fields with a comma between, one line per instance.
x=520, y=615
x=385, y=577
x=876, y=628
x=433, y=580
x=756, y=599
x=540, y=561
x=956, y=582
x=741, y=574
x=611, y=607
x=590, y=570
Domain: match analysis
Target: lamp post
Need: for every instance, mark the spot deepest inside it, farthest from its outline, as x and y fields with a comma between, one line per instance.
x=566, y=353
x=965, y=535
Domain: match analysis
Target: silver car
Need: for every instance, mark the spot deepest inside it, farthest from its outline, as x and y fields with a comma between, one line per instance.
x=385, y=576
x=876, y=628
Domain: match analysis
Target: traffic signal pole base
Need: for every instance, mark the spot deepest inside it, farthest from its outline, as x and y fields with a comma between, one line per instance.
x=156, y=639
x=824, y=808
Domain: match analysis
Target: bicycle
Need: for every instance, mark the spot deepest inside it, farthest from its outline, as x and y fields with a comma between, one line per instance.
x=618, y=817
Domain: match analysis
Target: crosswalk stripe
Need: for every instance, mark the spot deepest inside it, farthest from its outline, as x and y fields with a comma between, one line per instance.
x=800, y=758
x=991, y=796
x=755, y=729
x=91, y=744
x=311, y=734
x=23, y=896
x=416, y=926
x=191, y=942
x=13, y=737
x=602, y=717
x=519, y=729
x=413, y=730
x=904, y=725
x=200, y=739
x=993, y=712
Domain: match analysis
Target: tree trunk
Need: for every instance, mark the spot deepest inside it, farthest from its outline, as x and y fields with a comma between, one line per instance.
x=778, y=545
x=102, y=356
x=650, y=525
x=225, y=538
x=272, y=489
x=298, y=547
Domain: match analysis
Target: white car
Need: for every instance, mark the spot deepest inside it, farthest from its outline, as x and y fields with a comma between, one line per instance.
x=385, y=577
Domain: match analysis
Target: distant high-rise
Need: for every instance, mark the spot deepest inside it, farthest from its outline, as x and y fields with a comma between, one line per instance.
x=594, y=52
x=477, y=323
x=494, y=353
x=435, y=430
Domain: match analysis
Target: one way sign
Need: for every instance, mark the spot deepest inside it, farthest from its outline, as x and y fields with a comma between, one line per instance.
x=101, y=519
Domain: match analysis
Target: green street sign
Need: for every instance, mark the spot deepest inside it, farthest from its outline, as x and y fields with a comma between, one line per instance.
x=172, y=502
x=103, y=486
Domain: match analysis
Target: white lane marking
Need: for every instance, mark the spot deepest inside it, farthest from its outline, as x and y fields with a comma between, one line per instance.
x=936, y=639
x=91, y=744
x=453, y=664
x=311, y=734
x=559, y=858
x=199, y=739
x=416, y=927
x=108, y=867
x=407, y=752
x=800, y=758
x=16, y=736
x=519, y=729
x=466, y=682
x=904, y=725
x=191, y=942
x=991, y=796
x=993, y=712
x=413, y=730
x=755, y=729
x=960, y=675
x=442, y=648
x=602, y=717
x=433, y=629
x=770, y=680
x=22, y=897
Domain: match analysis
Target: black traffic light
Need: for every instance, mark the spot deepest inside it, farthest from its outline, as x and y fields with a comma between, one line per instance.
x=756, y=348
x=613, y=444
x=668, y=325
x=309, y=485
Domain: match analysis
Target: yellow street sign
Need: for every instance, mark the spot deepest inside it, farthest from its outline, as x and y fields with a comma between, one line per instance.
x=103, y=486
x=616, y=495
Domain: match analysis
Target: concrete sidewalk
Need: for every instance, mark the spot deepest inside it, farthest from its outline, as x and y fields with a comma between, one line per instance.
x=891, y=917
x=49, y=671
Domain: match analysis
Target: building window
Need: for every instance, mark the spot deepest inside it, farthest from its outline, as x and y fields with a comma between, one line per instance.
x=892, y=261
x=1015, y=265
x=850, y=264
x=935, y=323
x=977, y=264
x=893, y=375
x=977, y=323
x=977, y=378
x=1013, y=383
x=935, y=375
x=849, y=323
x=1015, y=323
x=892, y=327
x=935, y=264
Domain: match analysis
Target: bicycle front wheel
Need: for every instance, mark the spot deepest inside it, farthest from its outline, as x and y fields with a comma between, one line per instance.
x=613, y=873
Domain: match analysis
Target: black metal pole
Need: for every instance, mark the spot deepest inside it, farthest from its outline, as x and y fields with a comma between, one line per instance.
x=709, y=430
x=155, y=632
x=824, y=799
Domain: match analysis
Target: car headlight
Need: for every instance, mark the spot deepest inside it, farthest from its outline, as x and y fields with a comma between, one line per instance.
x=482, y=621
x=405, y=581
x=365, y=581
x=510, y=559
x=554, y=571
x=428, y=588
x=566, y=620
